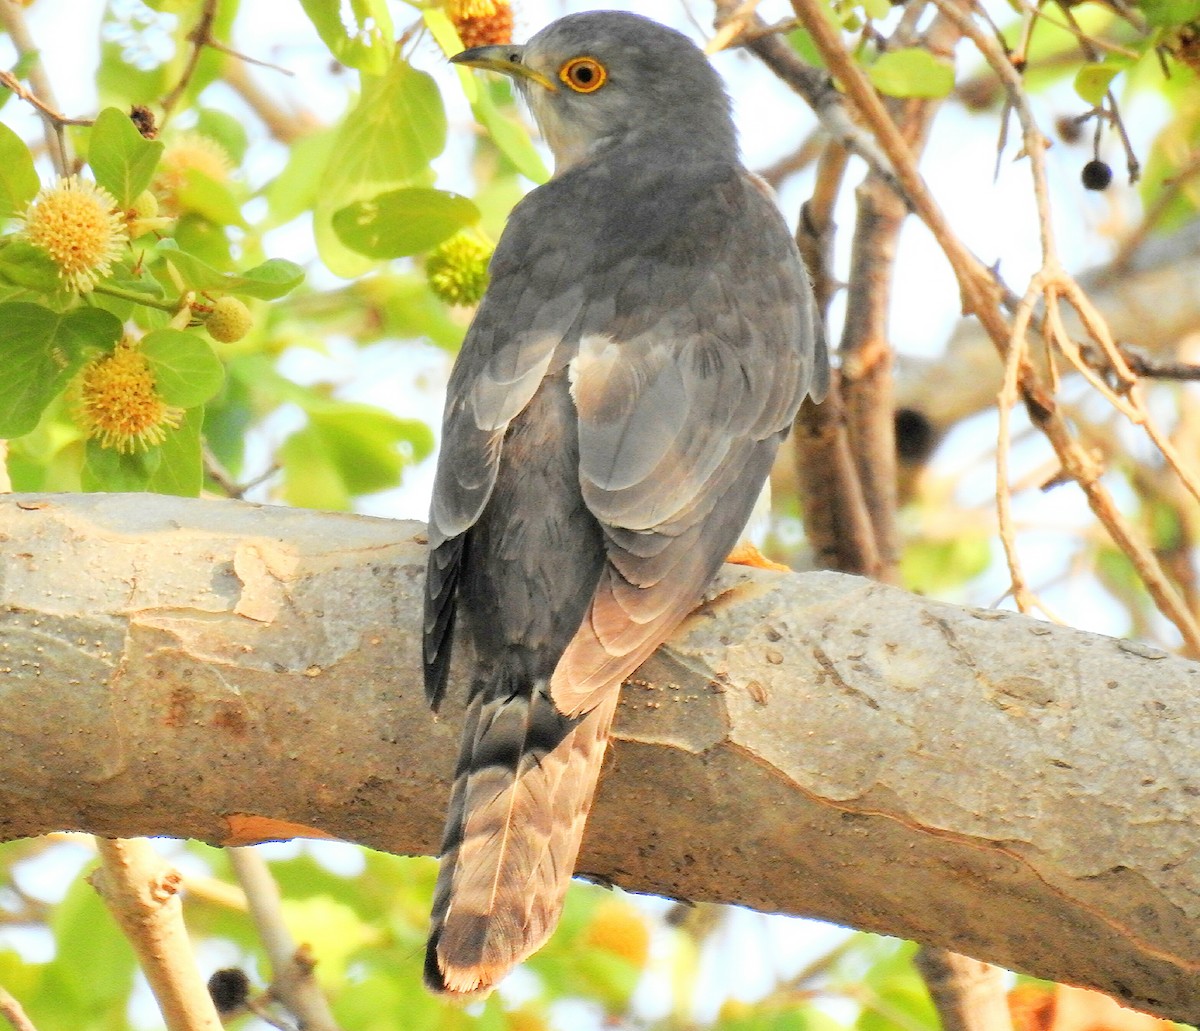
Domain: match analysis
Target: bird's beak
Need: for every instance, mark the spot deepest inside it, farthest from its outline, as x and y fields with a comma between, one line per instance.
x=503, y=59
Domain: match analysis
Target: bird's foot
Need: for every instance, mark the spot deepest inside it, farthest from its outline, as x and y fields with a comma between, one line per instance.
x=746, y=554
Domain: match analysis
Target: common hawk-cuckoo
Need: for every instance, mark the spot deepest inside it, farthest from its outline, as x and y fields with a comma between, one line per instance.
x=646, y=338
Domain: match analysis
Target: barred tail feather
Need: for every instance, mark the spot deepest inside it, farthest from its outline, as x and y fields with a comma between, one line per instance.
x=522, y=790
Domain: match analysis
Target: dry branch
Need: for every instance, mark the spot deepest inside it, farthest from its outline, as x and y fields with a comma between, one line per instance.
x=816, y=744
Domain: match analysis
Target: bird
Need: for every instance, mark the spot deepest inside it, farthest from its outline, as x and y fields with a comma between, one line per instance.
x=646, y=337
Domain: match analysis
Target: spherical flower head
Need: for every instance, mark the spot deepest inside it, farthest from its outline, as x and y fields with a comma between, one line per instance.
x=119, y=402
x=457, y=270
x=190, y=151
x=77, y=224
x=481, y=22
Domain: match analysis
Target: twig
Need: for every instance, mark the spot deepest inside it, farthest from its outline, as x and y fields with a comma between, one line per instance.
x=1075, y=461
x=1008, y=397
x=866, y=379
x=59, y=147
x=969, y=995
x=12, y=1011
x=293, y=983
x=216, y=471
x=142, y=893
x=11, y=82
x=199, y=37
x=813, y=84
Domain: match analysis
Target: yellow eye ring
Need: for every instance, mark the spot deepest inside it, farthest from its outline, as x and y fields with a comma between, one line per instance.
x=583, y=74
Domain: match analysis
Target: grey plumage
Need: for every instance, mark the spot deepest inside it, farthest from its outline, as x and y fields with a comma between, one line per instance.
x=645, y=341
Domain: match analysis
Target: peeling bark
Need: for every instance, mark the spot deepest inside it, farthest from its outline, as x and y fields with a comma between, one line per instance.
x=818, y=744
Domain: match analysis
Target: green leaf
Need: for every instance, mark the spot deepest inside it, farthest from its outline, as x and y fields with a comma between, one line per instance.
x=23, y=264
x=366, y=43
x=18, y=180
x=349, y=449
x=122, y=159
x=84, y=971
x=273, y=278
x=936, y=567
x=187, y=372
x=442, y=29
x=180, y=470
x=397, y=127
x=403, y=222
x=296, y=189
x=1093, y=80
x=228, y=131
x=509, y=136
x=911, y=72
x=42, y=350
x=107, y=469
x=1168, y=13
x=205, y=196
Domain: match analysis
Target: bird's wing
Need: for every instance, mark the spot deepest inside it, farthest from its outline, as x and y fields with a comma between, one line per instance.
x=531, y=304
x=686, y=379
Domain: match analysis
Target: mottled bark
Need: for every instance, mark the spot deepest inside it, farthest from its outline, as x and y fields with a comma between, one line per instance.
x=814, y=744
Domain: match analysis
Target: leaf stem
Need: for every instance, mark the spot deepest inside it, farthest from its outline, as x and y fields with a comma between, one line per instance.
x=138, y=298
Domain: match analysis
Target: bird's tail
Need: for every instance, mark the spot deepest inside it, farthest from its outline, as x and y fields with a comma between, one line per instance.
x=522, y=790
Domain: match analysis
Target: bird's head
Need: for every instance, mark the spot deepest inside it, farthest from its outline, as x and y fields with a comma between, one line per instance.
x=604, y=78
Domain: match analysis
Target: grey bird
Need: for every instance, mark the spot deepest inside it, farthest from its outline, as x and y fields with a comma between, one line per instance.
x=645, y=341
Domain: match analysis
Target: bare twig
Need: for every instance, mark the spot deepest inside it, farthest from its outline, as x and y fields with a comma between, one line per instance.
x=813, y=84
x=12, y=1011
x=969, y=995
x=199, y=37
x=293, y=983
x=11, y=82
x=142, y=893
x=13, y=19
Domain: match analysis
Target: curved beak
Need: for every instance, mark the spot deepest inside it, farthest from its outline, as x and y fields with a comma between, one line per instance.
x=504, y=59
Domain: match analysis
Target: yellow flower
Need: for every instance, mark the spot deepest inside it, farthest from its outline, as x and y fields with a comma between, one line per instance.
x=76, y=223
x=471, y=8
x=457, y=270
x=618, y=928
x=188, y=151
x=481, y=22
x=119, y=402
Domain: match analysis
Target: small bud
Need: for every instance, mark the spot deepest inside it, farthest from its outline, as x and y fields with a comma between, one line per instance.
x=1096, y=175
x=457, y=269
x=229, y=320
x=142, y=216
x=1069, y=128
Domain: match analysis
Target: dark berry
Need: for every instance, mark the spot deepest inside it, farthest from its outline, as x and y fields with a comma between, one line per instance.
x=229, y=989
x=1096, y=175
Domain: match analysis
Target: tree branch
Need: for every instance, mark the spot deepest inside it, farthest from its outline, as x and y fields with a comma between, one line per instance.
x=142, y=892
x=817, y=744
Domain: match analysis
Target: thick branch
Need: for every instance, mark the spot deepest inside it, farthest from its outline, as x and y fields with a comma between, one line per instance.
x=811, y=744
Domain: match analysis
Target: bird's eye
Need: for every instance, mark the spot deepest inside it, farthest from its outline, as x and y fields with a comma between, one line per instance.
x=583, y=74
